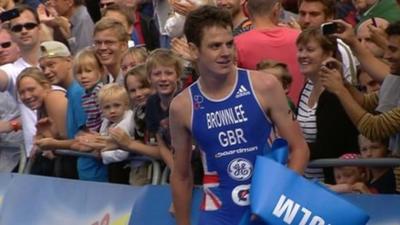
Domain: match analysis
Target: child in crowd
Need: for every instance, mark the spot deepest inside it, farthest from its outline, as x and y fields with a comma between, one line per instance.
x=89, y=72
x=164, y=69
x=281, y=72
x=348, y=178
x=114, y=105
x=381, y=179
x=139, y=89
x=132, y=57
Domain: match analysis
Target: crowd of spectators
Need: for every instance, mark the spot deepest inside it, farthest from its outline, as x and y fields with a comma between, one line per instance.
x=71, y=79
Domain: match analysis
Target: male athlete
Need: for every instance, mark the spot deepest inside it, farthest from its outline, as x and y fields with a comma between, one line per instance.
x=229, y=112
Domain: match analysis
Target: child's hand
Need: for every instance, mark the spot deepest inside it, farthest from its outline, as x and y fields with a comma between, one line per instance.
x=360, y=188
x=120, y=137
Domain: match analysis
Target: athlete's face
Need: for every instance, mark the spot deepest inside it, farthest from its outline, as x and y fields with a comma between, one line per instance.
x=216, y=51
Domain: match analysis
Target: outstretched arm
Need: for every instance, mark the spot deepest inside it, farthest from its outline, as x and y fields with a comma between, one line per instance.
x=372, y=65
x=181, y=177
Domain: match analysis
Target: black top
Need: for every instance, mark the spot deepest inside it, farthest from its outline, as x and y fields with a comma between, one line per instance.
x=157, y=118
x=386, y=184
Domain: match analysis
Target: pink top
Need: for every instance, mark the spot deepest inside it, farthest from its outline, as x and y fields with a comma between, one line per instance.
x=277, y=44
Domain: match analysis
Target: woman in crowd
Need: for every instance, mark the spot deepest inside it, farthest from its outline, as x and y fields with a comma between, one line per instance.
x=50, y=102
x=325, y=125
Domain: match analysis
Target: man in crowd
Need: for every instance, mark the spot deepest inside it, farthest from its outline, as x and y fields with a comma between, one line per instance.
x=241, y=23
x=25, y=31
x=269, y=41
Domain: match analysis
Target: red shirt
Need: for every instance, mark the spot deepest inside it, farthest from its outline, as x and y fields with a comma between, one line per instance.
x=278, y=44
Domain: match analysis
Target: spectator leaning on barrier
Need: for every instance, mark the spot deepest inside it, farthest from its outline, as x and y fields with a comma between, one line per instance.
x=381, y=179
x=89, y=72
x=56, y=64
x=50, y=103
x=114, y=105
x=25, y=32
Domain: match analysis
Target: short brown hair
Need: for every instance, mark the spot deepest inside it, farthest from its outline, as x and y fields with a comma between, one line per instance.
x=260, y=7
x=329, y=6
x=205, y=17
x=138, y=71
x=284, y=71
x=314, y=33
x=129, y=16
x=112, y=24
x=164, y=57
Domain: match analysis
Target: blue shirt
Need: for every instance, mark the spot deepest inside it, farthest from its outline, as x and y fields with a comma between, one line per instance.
x=76, y=116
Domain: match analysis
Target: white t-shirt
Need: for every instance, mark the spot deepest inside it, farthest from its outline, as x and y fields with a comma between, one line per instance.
x=28, y=116
x=127, y=125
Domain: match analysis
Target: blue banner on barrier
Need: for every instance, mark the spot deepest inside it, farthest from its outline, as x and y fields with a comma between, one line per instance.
x=41, y=200
x=280, y=196
x=44, y=200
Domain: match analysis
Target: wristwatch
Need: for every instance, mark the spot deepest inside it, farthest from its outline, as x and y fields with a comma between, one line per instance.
x=15, y=125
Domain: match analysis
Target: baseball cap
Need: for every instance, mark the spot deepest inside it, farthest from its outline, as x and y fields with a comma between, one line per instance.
x=53, y=49
x=349, y=156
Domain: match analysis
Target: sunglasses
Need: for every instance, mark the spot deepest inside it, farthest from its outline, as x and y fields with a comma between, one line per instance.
x=28, y=26
x=106, y=5
x=5, y=44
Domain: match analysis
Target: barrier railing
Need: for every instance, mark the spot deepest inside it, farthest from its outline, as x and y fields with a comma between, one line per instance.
x=156, y=170
x=376, y=162
x=17, y=147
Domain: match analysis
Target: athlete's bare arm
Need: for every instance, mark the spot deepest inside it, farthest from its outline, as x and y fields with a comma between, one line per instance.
x=181, y=177
x=272, y=97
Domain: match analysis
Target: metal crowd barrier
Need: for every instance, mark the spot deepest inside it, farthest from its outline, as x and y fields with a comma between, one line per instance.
x=377, y=162
x=20, y=147
x=156, y=167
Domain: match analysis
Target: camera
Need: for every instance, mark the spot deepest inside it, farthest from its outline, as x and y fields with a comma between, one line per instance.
x=9, y=15
x=329, y=28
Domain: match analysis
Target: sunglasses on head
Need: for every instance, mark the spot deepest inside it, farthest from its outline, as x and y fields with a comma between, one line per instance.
x=105, y=5
x=18, y=27
x=5, y=44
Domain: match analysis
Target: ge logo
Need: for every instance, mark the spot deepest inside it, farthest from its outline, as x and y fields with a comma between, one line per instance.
x=241, y=195
x=240, y=169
